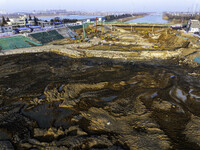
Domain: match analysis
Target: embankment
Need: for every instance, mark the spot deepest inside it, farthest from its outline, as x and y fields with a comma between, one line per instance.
x=83, y=53
x=128, y=18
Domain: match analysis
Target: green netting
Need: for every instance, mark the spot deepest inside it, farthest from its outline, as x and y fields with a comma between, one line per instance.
x=79, y=26
x=16, y=42
x=46, y=37
x=76, y=27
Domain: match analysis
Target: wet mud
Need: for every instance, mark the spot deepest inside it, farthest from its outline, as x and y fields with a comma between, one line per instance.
x=48, y=101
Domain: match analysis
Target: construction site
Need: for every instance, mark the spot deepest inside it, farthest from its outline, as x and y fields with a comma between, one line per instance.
x=103, y=86
x=132, y=41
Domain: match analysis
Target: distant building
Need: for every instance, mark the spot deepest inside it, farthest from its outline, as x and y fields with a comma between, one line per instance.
x=23, y=30
x=21, y=22
x=5, y=29
x=92, y=20
x=79, y=22
x=193, y=26
x=17, y=22
x=102, y=19
x=44, y=23
x=35, y=28
x=99, y=19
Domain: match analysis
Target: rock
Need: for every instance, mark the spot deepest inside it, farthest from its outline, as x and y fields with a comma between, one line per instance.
x=80, y=142
x=76, y=130
x=50, y=132
x=55, y=148
x=162, y=105
x=26, y=145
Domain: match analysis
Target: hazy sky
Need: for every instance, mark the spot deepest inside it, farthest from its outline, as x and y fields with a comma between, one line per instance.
x=101, y=5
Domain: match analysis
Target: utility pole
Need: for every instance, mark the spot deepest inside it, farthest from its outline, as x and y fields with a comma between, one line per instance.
x=84, y=34
x=96, y=24
x=153, y=30
x=101, y=26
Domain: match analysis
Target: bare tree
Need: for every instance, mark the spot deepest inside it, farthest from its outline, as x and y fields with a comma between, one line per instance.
x=7, y=19
x=3, y=21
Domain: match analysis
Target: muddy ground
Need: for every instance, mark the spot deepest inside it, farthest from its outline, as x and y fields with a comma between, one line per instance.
x=49, y=101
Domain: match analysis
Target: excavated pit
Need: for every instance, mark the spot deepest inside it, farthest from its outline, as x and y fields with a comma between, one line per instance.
x=49, y=101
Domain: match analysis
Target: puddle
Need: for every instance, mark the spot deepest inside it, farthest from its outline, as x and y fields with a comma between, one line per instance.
x=178, y=95
x=133, y=83
x=42, y=97
x=60, y=88
x=47, y=115
x=194, y=94
x=108, y=99
x=197, y=59
x=181, y=95
x=154, y=95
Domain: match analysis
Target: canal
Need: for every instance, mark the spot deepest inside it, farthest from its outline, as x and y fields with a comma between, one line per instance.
x=154, y=18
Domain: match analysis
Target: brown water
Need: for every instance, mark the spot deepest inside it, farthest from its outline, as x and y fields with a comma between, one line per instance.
x=56, y=102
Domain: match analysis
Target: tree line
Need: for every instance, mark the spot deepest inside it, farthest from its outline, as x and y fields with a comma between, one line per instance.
x=114, y=17
x=65, y=20
x=182, y=16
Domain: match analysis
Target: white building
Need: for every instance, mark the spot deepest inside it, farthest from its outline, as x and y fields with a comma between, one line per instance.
x=193, y=26
x=15, y=22
x=79, y=22
x=20, y=22
x=99, y=19
x=5, y=29
x=43, y=23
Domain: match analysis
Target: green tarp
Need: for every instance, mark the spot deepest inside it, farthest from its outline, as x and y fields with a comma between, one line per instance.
x=16, y=42
x=46, y=37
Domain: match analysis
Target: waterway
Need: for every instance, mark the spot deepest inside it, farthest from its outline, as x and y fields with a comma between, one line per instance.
x=154, y=18
x=79, y=17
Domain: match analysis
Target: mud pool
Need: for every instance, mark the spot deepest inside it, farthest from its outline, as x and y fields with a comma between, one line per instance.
x=48, y=101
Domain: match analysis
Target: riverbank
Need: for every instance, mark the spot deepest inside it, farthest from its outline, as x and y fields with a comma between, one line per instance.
x=129, y=18
x=181, y=17
x=180, y=20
